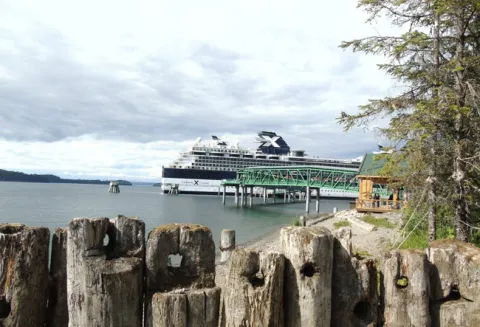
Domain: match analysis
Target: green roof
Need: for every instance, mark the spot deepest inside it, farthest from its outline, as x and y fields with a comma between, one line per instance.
x=371, y=165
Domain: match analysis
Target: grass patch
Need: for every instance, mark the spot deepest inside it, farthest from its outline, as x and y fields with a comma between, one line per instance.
x=296, y=222
x=378, y=222
x=418, y=240
x=361, y=254
x=341, y=223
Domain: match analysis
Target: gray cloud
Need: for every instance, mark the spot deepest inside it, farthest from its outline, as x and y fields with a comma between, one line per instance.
x=53, y=95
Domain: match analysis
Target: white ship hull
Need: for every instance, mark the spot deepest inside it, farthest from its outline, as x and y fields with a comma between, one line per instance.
x=213, y=187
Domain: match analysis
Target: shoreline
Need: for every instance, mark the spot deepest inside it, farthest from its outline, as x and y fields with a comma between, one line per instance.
x=267, y=241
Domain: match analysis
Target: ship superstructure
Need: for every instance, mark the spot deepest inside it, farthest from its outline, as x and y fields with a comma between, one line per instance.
x=201, y=169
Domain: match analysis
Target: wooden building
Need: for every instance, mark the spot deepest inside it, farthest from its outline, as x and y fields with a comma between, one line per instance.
x=371, y=182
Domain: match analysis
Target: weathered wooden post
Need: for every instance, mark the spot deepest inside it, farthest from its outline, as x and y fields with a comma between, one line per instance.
x=455, y=283
x=254, y=291
x=184, y=295
x=308, y=276
x=58, y=301
x=105, y=282
x=303, y=221
x=405, y=289
x=354, y=286
x=23, y=275
x=227, y=243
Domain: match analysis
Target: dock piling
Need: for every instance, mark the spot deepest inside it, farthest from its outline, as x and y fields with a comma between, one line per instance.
x=114, y=187
x=307, y=200
x=224, y=193
x=317, y=204
x=236, y=195
x=250, y=198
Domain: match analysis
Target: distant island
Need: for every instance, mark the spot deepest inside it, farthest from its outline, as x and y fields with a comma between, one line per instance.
x=157, y=184
x=14, y=176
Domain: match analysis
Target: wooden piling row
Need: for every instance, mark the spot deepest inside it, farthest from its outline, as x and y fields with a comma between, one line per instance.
x=104, y=273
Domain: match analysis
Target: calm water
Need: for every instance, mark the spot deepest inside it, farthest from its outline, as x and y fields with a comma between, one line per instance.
x=54, y=205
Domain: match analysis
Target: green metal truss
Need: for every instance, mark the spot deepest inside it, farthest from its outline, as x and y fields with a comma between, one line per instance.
x=299, y=177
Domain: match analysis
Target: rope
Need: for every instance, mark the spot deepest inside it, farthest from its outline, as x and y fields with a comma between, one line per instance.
x=411, y=216
x=414, y=228
x=474, y=227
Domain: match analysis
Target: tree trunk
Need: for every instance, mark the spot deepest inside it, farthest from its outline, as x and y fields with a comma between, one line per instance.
x=432, y=206
x=460, y=198
x=432, y=172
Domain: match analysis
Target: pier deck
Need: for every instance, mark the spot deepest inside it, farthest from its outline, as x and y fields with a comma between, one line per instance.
x=290, y=180
x=293, y=181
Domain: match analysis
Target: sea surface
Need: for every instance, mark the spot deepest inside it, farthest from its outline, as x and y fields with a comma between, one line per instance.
x=54, y=205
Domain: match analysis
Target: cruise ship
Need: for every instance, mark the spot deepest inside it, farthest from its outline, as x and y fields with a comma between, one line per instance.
x=201, y=169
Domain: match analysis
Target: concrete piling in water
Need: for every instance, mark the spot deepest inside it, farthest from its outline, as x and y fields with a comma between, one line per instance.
x=405, y=289
x=227, y=243
x=23, y=275
x=114, y=187
x=255, y=291
x=100, y=275
x=307, y=200
x=236, y=195
x=58, y=300
x=250, y=197
x=308, y=275
x=242, y=197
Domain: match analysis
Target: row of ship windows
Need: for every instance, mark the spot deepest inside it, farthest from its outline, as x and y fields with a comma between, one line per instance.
x=247, y=155
x=219, y=167
x=245, y=163
x=276, y=162
x=202, y=151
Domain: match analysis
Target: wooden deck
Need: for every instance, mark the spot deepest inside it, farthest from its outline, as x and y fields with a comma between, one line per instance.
x=379, y=206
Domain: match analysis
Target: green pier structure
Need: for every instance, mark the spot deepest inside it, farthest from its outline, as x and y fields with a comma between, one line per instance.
x=292, y=180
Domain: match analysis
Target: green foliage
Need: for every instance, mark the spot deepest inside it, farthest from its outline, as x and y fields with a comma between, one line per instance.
x=436, y=116
x=378, y=222
x=296, y=222
x=402, y=282
x=341, y=223
x=417, y=240
x=361, y=254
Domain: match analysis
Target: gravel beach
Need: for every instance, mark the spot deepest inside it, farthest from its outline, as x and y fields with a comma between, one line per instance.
x=367, y=239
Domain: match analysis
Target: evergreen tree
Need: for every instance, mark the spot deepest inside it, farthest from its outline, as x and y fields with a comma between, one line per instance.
x=437, y=62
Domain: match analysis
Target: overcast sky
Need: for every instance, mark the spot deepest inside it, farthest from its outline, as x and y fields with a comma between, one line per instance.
x=117, y=88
